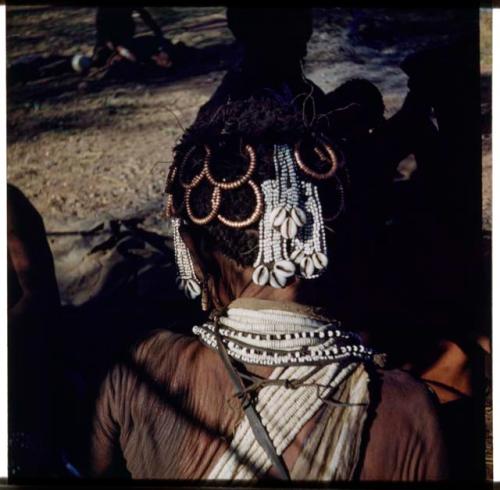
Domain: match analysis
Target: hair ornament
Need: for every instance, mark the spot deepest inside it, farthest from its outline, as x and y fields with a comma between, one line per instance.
x=218, y=187
x=172, y=173
x=252, y=159
x=256, y=213
x=291, y=221
x=186, y=280
x=199, y=177
x=215, y=202
x=326, y=154
x=291, y=232
x=169, y=206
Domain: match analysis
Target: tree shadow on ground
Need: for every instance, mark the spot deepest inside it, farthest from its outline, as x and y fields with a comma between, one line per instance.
x=70, y=121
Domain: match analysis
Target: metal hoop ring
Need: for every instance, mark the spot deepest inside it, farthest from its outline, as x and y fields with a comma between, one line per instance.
x=238, y=182
x=169, y=206
x=216, y=200
x=257, y=212
x=171, y=174
x=330, y=156
x=197, y=178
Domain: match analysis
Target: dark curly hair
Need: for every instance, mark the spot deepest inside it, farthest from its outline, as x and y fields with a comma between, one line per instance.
x=261, y=122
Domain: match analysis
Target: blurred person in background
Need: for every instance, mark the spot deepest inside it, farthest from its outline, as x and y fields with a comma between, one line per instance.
x=116, y=39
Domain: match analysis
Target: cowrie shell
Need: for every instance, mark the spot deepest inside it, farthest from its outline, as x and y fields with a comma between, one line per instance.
x=297, y=255
x=320, y=260
x=298, y=216
x=260, y=275
x=288, y=228
x=277, y=279
x=192, y=289
x=307, y=267
x=285, y=267
x=277, y=216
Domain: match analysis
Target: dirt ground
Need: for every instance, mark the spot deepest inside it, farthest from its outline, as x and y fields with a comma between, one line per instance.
x=103, y=153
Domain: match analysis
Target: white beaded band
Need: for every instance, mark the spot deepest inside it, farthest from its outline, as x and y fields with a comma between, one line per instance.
x=256, y=340
x=291, y=232
x=186, y=280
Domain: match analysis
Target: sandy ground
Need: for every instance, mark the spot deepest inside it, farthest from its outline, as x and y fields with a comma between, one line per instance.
x=99, y=155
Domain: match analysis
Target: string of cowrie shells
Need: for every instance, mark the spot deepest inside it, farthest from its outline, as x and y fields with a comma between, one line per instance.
x=292, y=220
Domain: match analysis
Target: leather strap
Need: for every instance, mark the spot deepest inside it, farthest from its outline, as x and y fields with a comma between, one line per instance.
x=260, y=432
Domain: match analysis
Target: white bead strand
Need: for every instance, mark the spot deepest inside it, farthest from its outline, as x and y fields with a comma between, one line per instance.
x=186, y=280
x=276, y=338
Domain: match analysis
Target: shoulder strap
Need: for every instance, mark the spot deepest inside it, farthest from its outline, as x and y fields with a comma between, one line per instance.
x=260, y=432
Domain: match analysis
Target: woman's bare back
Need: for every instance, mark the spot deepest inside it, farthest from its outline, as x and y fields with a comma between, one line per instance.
x=168, y=413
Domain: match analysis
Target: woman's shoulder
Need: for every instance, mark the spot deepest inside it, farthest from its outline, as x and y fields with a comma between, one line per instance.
x=167, y=358
x=404, y=439
x=157, y=342
x=163, y=349
x=160, y=360
x=399, y=382
x=404, y=395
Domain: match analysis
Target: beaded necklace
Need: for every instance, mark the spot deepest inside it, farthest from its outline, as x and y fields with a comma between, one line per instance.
x=280, y=338
x=313, y=359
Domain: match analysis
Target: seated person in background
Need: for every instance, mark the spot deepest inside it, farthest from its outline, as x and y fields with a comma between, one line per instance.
x=115, y=35
x=32, y=282
x=273, y=384
x=417, y=253
x=33, y=303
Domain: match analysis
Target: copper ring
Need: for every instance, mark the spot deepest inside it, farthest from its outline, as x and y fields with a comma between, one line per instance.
x=216, y=200
x=169, y=206
x=238, y=182
x=172, y=173
x=197, y=178
x=321, y=154
x=259, y=205
x=330, y=156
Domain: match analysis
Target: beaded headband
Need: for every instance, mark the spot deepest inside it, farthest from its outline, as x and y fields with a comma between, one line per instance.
x=291, y=227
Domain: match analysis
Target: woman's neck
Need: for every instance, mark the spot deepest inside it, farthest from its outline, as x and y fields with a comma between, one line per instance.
x=236, y=284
